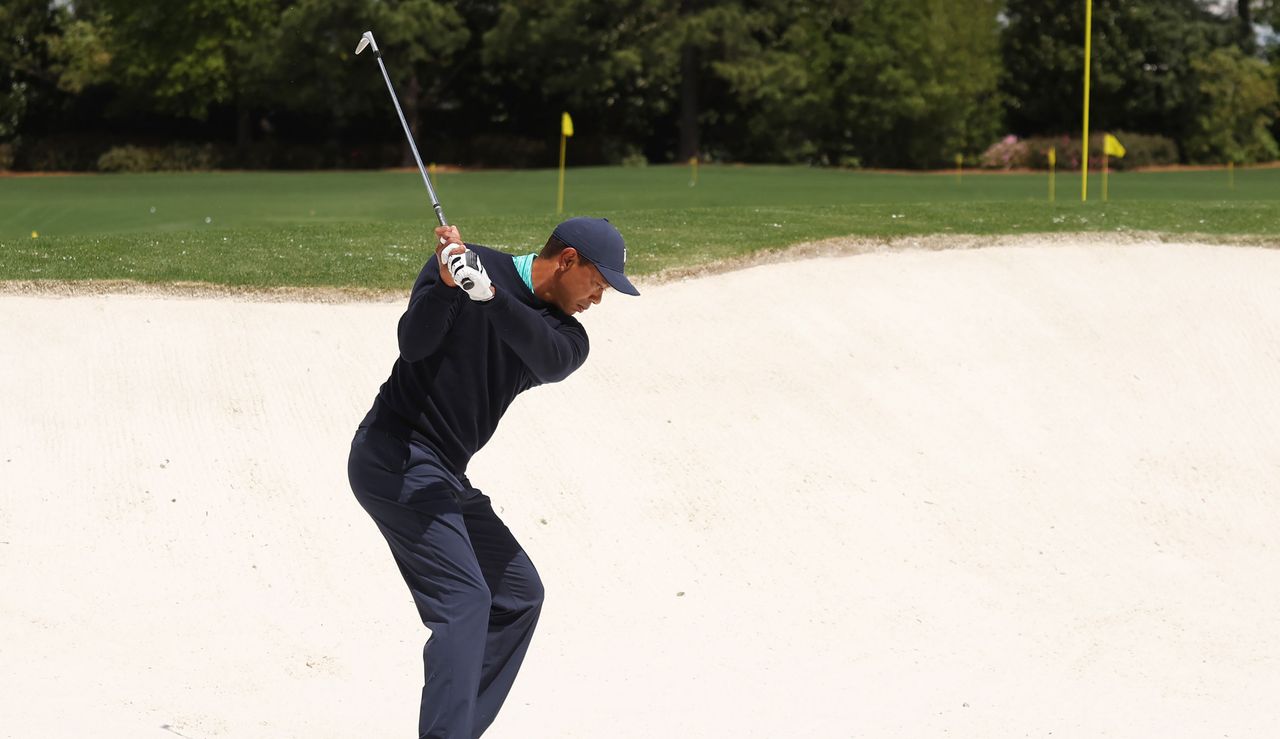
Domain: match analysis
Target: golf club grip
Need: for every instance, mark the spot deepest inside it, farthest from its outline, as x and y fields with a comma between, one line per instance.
x=466, y=283
x=471, y=260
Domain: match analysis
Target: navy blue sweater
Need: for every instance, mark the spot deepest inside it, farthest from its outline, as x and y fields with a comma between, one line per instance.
x=462, y=362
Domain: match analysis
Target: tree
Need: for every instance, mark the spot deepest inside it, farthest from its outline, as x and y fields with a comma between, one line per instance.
x=1244, y=26
x=27, y=79
x=686, y=76
x=1245, y=16
x=1265, y=12
x=1236, y=105
x=751, y=63
x=187, y=57
x=1142, y=76
x=612, y=65
x=314, y=71
x=760, y=80
x=893, y=83
x=80, y=55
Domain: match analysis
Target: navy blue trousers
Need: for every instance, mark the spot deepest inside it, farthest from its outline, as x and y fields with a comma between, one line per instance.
x=475, y=588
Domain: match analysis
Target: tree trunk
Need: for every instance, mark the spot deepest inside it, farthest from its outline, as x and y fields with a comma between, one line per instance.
x=690, y=136
x=412, y=108
x=1245, y=17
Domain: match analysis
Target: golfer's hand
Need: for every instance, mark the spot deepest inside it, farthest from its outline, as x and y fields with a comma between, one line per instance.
x=448, y=241
x=467, y=271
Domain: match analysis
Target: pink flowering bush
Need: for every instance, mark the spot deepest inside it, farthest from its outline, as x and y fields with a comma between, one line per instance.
x=1009, y=152
x=1033, y=152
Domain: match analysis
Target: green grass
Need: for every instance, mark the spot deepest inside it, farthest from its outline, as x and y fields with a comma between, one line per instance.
x=373, y=229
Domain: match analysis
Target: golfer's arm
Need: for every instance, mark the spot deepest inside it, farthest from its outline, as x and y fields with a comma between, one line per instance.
x=432, y=306
x=550, y=354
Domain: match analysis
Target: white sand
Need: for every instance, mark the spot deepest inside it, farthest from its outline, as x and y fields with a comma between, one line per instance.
x=1005, y=492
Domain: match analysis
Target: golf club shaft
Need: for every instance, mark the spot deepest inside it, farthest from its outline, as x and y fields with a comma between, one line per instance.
x=435, y=201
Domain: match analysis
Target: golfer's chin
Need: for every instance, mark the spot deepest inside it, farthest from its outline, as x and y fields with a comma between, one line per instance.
x=570, y=309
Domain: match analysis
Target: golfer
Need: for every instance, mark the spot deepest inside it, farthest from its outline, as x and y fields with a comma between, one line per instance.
x=465, y=354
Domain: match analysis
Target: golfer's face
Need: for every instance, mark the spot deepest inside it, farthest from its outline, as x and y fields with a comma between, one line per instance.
x=583, y=286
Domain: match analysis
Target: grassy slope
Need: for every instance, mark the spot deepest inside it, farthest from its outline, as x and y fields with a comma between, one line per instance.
x=372, y=229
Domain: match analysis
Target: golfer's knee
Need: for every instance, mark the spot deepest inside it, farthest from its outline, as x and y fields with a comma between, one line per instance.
x=530, y=596
x=518, y=602
x=536, y=594
x=470, y=604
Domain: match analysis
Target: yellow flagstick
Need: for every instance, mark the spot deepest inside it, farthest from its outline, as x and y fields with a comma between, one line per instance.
x=1231, y=174
x=1084, y=144
x=1111, y=147
x=959, y=166
x=431, y=170
x=1053, y=162
x=566, y=130
x=560, y=186
x=693, y=164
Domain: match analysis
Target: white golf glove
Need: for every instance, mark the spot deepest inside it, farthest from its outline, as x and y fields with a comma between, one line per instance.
x=469, y=273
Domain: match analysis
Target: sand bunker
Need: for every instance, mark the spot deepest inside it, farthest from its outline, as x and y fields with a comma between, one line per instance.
x=1012, y=491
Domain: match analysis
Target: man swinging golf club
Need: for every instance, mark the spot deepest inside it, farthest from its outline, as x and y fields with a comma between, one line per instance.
x=481, y=328
x=464, y=356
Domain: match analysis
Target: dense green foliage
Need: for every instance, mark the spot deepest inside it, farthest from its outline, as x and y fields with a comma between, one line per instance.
x=880, y=83
x=1142, y=78
x=25, y=59
x=373, y=229
x=1238, y=102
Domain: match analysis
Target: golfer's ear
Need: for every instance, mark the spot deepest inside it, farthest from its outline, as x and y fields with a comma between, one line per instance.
x=568, y=257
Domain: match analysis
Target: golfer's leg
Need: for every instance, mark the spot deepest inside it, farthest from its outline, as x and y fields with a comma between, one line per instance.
x=424, y=528
x=517, y=602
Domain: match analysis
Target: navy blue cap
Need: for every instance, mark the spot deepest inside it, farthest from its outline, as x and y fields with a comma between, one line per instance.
x=599, y=243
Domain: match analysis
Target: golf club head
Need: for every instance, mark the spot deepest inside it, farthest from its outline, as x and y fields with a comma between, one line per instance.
x=366, y=40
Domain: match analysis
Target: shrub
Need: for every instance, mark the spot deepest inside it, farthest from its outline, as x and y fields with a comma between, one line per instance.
x=1008, y=153
x=1067, y=148
x=635, y=158
x=6, y=157
x=186, y=157
x=126, y=159
x=1141, y=150
x=60, y=153
x=170, y=158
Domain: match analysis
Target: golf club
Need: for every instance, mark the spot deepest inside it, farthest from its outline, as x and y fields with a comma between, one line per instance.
x=367, y=40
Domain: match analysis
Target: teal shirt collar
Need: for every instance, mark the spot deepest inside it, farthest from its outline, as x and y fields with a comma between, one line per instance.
x=524, y=266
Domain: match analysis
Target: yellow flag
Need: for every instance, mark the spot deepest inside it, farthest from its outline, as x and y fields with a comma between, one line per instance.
x=566, y=125
x=1111, y=146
